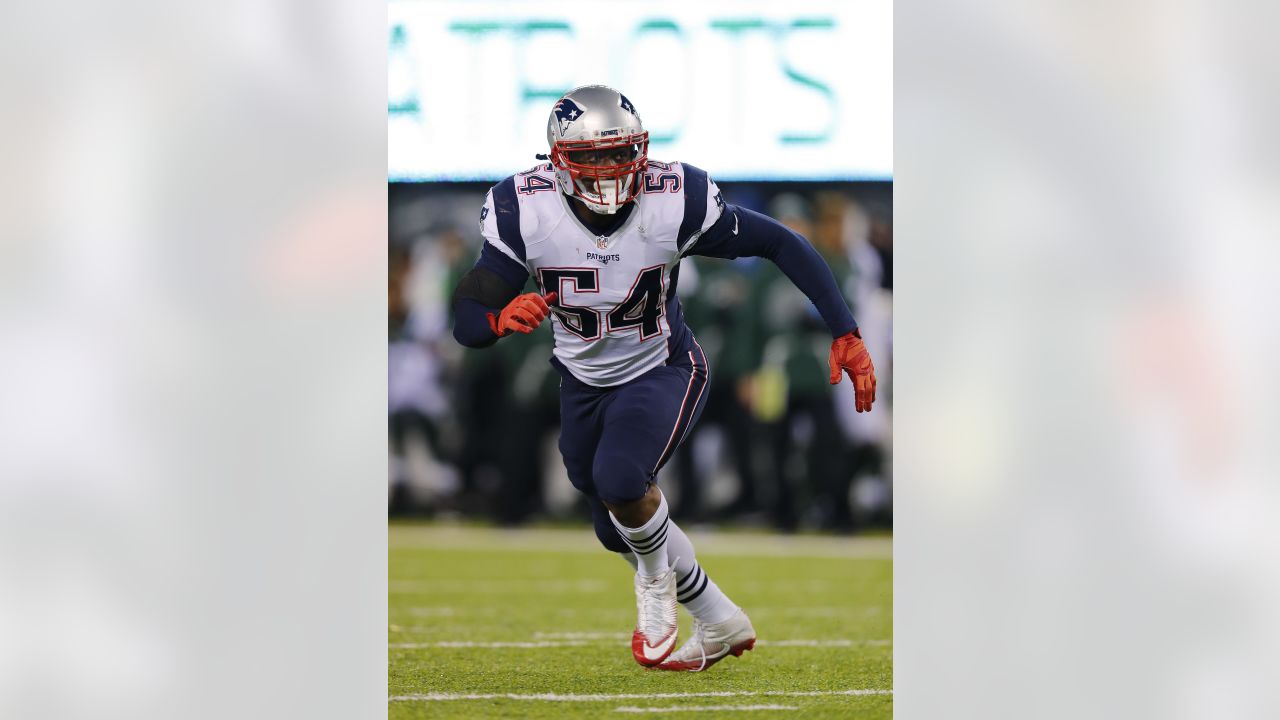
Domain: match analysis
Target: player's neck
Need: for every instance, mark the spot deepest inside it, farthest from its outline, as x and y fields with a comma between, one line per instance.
x=598, y=222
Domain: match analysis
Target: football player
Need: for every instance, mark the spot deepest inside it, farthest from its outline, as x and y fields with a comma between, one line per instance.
x=602, y=228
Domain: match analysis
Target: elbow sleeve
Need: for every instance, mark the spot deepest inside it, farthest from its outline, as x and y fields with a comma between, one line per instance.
x=479, y=293
x=485, y=287
x=471, y=324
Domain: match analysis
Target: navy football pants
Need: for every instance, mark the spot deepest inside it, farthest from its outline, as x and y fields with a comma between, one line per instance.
x=614, y=440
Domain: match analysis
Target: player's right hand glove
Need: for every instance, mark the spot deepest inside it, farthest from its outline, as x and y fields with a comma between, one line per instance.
x=849, y=354
x=523, y=314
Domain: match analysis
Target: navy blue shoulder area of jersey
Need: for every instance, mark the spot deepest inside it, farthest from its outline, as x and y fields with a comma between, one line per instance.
x=507, y=214
x=695, y=203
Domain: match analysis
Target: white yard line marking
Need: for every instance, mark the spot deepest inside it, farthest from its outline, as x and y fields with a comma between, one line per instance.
x=431, y=611
x=495, y=586
x=554, y=697
x=832, y=611
x=807, y=643
x=709, y=543
x=581, y=639
x=469, y=644
x=831, y=642
x=703, y=708
x=823, y=643
x=583, y=636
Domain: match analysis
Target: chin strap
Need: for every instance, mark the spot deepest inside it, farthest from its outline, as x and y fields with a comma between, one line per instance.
x=611, y=205
x=602, y=209
x=608, y=207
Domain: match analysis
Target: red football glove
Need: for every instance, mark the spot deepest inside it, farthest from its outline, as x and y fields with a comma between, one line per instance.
x=523, y=314
x=848, y=353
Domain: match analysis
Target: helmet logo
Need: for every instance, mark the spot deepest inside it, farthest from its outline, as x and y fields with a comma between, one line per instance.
x=626, y=105
x=567, y=111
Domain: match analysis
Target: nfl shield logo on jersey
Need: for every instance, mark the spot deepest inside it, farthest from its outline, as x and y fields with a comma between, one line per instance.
x=567, y=111
x=602, y=242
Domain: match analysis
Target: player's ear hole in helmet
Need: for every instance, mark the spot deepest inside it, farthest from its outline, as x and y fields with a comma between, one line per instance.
x=599, y=147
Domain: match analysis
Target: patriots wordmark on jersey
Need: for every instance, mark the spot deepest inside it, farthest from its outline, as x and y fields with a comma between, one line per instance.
x=616, y=314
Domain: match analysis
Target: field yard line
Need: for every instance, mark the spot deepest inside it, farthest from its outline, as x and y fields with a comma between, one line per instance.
x=829, y=642
x=808, y=643
x=470, y=644
x=837, y=611
x=709, y=543
x=497, y=585
x=554, y=697
x=703, y=708
x=824, y=643
x=582, y=635
x=615, y=638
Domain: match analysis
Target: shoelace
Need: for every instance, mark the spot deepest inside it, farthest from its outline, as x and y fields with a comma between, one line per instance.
x=700, y=638
x=651, y=616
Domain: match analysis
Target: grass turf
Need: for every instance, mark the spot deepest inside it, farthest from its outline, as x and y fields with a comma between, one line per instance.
x=452, y=584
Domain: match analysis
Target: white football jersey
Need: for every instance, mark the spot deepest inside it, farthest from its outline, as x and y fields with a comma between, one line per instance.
x=616, y=312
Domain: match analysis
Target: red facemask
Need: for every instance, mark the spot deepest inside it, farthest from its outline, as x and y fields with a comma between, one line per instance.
x=604, y=180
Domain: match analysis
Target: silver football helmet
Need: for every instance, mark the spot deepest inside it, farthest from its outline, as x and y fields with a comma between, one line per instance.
x=599, y=147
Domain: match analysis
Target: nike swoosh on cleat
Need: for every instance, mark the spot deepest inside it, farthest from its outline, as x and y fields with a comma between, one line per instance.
x=660, y=650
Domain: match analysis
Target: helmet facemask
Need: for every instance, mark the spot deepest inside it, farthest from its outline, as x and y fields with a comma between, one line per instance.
x=604, y=173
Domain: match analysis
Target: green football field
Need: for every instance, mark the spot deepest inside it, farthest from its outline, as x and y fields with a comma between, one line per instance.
x=536, y=623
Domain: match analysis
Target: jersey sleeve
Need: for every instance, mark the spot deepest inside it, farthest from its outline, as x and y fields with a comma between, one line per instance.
x=503, y=250
x=703, y=206
x=740, y=232
x=477, y=296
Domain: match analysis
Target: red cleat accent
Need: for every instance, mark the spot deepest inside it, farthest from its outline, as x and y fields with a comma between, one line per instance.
x=703, y=663
x=712, y=643
x=651, y=655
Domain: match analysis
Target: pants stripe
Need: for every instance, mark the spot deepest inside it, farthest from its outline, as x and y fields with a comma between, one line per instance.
x=698, y=378
x=689, y=425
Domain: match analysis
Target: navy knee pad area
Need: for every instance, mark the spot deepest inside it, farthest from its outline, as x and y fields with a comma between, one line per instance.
x=605, y=531
x=620, y=476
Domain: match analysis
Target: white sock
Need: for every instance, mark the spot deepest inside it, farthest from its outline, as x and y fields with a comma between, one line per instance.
x=694, y=588
x=649, y=541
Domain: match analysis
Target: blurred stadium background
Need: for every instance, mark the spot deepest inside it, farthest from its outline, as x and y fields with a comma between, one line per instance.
x=747, y=91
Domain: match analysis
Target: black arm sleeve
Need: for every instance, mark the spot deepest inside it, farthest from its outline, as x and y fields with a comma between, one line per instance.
x=480, y=292
x=486, y=287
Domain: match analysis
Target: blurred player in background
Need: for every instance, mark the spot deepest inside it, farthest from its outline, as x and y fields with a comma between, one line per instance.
x=602, y=229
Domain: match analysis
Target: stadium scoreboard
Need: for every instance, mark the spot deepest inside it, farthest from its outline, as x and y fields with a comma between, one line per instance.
x=749, y=90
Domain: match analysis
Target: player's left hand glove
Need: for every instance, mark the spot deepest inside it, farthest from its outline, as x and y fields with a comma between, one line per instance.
x=849, y=354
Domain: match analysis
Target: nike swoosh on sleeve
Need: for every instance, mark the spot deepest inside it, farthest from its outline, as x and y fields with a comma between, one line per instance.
x=735, y=223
